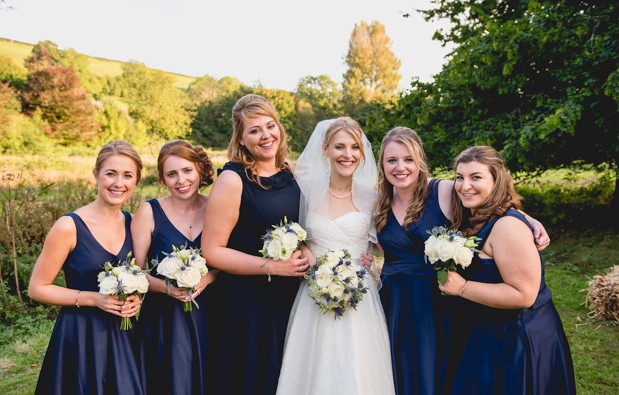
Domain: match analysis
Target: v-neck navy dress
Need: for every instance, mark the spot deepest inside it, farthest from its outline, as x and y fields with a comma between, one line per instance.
x=175, y=345
x=414, y=306
x=88, y=353
x=256, y=310
x=506, y=351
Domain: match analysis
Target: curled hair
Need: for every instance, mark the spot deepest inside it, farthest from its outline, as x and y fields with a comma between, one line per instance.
x=184, y=150
x=348, y=125
x=247, y=107
x=411, y=140
x=118, y=147
x=502, y=197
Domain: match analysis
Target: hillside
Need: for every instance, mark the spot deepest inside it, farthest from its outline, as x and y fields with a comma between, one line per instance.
x=98, y=66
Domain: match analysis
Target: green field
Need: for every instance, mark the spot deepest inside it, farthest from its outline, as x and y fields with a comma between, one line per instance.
x=98, y=66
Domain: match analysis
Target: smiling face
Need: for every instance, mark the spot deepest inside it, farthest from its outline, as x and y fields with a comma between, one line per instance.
x=343, y=152
x=116, y=179
x=474, y=184
x=261, y=137
x=181, y=177
x=399, y=166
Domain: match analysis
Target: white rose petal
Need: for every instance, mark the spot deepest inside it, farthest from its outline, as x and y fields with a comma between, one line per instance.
x=129, y=282
x=108, y=286
x=188, y=277
x=430, y=244
x=336, y=290
x=301, y=234
x=343, y=272
x=284, y=254
x=290, y=241
x=463, y=256
x=459, y=241
x=142, y=283
x=445, y=250
x=332, y=259
x=323, y=276
x=274, y=249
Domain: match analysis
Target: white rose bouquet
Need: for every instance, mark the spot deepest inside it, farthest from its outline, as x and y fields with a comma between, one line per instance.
x=282, y=241
x=445, y=250
x=124, y=279
x=334, y=283
x=183, y=268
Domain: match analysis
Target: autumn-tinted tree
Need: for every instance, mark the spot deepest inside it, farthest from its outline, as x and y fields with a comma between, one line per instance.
x=373, y=69
x=11, y=71
x=537, y=80
x=54, y=92
x=156, y=102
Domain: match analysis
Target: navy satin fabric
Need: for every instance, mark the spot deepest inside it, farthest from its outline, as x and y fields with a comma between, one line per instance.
x=505, y=351
x=87, y=352
x=413, y=305
x=256, y=311
x=177, y=349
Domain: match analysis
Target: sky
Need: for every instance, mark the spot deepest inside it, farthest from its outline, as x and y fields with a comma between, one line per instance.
x=274, y=42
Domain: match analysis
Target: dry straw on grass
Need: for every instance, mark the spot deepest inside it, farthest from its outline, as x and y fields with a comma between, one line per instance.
x=603, y=294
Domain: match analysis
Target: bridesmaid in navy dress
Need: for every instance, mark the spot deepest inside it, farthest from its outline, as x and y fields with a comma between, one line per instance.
x=255, y=190
x=88, y=353
x=410, y=203
x=505, y=335
x=175, y=345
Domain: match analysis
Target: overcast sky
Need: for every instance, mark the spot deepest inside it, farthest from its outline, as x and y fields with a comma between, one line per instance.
x=274, y=41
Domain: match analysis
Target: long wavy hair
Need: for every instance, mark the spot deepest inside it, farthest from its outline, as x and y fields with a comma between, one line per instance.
x=411, y=140
x=502, y=197
x=247, y=107
x=194, y=154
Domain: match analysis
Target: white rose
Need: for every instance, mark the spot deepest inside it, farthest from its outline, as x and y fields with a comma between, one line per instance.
x=315, y=293
x=188, y=277
x=142, y=283
x=332, y=259
x=169, y=267
x=354, y=281
x=323, y=276
x=108, y=286
x=129, y=282
x=463, y=256
x=284, y=254
x=290, y=241
x=344, y=272
x=445, y=250
x=430, y=244
x=459, y=241
x=301, y=233
x=274, y=249
x=201, y=266
x=339, y=253
x=336, y=290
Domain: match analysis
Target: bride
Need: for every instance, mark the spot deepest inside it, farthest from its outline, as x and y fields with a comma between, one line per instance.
x=351, y=355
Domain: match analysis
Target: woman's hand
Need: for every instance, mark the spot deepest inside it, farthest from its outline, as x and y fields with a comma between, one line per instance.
x=295, y=266
x=454, y=284
x=306, y=253
x=366, y=260
x=542, y=239
x=122, y=308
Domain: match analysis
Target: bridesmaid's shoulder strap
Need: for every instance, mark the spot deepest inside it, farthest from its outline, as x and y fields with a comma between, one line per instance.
x=128, y=219
x=485, y=232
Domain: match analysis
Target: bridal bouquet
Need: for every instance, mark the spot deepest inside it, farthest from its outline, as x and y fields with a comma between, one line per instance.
x=124, y=279
x=282, y=241
x=183, y=268
x=447, y=249
x=334, y=283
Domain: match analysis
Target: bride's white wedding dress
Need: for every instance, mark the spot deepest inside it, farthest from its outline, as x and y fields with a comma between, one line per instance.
x=351, y=355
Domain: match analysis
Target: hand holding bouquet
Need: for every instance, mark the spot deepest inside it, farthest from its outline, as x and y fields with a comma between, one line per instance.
x=183, y=268
x=447, y=249
x=124, y=280
x=334, y=282
x=282, y=241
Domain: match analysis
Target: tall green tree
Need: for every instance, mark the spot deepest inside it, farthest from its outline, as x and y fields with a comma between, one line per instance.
x=155, y=101
x=537, y=80
x=324, y=95
x=373, y=69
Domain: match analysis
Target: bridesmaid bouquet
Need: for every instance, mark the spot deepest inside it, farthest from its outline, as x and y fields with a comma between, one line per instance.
x=282, y=241
x=334, y=283
x=446, y=249
x=183, y=268
x=124, y=279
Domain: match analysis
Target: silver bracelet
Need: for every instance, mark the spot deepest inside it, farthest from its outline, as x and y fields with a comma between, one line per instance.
x=77, y=304
x=269, y=269
x=463, y=288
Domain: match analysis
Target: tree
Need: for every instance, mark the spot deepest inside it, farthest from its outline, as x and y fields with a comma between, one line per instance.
x=323, y=94
x=537, y=80
x=54, y=92
x=203, y=89
x=156, y=102
x=372, y=73
x=11, y=71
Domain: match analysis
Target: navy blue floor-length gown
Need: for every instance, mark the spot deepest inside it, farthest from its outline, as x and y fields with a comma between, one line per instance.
x=88, y=353
x=175, y=345
x=413, y=304
x=256, y=310
x=506, y=351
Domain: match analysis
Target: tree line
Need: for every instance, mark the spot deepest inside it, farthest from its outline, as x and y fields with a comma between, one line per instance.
x=53, y=98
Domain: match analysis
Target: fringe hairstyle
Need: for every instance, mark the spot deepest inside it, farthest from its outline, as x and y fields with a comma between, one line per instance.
x=247, y=107
x=348, y=125
x=186, y=151
x=411, y=140
x=502, y=197
x=118, y=147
